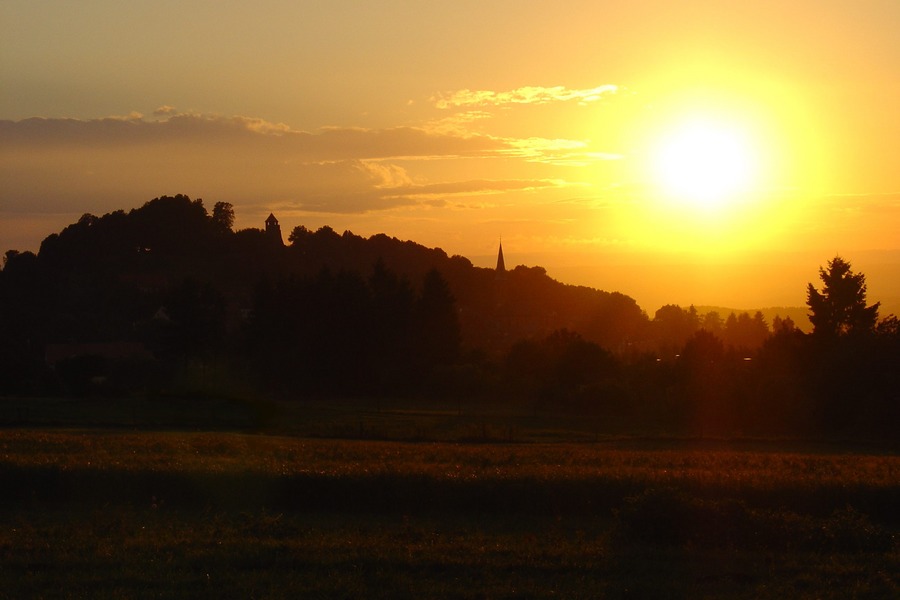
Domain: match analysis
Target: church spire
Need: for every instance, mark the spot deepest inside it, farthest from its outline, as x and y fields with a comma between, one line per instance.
x=501, y=266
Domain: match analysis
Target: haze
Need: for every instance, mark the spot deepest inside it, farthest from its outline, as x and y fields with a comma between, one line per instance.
x=454, y=124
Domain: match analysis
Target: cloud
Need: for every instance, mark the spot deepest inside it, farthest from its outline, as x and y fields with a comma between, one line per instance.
x=263, y=140
x=475, y=187
x=556, y=151
x=473, y=113
x=132, y=116
x=408, y=143
x=207, y=133
x=522, y=95
x=386, y=175
x=396, y=182
x=76, y=166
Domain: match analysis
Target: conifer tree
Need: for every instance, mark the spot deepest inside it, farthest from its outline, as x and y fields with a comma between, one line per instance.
x=840, y=308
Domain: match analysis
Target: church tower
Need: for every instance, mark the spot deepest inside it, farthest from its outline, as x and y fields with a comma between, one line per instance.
x=501, y=265
x=273, y=229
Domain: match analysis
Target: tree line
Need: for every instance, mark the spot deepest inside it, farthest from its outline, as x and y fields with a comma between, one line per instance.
x=168, y=298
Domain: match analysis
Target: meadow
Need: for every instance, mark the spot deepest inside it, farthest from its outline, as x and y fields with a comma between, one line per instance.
x=376, y=509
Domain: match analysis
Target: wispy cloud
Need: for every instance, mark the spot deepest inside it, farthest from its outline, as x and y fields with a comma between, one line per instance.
x=556, y=151
x=522, y=95
x=396, y=182
x=475, y=187
x=501, y=115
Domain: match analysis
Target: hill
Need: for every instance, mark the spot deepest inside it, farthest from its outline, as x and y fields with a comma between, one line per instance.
x=119, y=267
x=173, y=281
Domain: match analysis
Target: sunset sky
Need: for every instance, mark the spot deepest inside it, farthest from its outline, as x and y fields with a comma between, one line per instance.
x=697, y=151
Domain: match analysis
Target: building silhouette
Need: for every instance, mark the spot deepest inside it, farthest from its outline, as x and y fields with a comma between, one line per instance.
x=273, y=229
x=501, y=265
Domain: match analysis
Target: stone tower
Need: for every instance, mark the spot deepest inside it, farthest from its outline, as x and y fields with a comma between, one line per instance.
x=273, y=229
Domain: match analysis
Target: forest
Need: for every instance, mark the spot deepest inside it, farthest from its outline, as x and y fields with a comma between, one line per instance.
x=169, y=300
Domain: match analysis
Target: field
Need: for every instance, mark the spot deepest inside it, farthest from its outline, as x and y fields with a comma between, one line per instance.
x=299, y=509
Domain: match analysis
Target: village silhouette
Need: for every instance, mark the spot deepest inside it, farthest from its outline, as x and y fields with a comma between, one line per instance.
x=167, y=299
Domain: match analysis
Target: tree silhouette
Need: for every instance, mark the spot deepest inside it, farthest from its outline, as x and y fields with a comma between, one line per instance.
x=438, y=324
x=223, y=215
x=673, y=326
x=840, y=307
x=561, y=371
x=780, y=325
x=745, y=332
x=297, y=234
x=712, y=322
x=195, y=324
x=389, y=326
x=707, y=381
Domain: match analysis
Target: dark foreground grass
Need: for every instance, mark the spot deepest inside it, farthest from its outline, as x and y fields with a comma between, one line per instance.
x=161, y=553
x=147, y=515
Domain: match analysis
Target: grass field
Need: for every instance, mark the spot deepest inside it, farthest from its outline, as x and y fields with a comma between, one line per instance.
x=107, y=512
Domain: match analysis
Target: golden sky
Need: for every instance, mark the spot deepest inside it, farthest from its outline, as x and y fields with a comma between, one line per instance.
x=697, y=151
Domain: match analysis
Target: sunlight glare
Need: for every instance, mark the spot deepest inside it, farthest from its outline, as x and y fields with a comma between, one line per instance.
x=705, y=165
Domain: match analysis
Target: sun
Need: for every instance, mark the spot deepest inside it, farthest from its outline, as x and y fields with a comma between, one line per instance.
x=705, y=164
